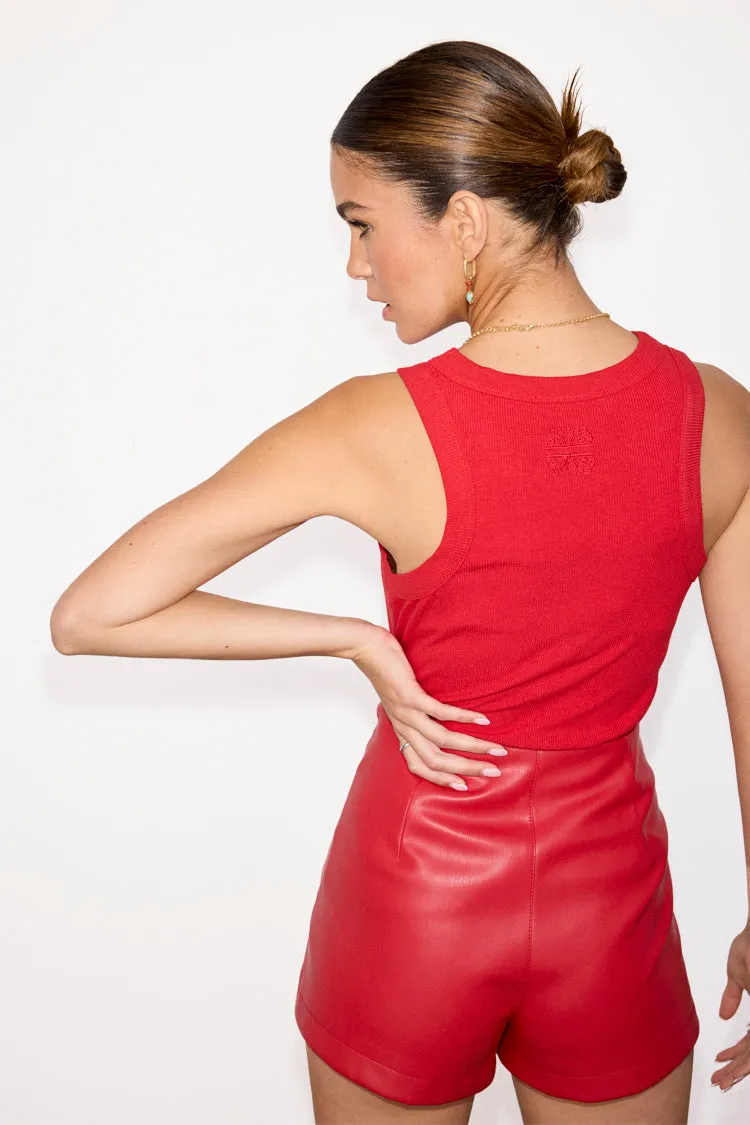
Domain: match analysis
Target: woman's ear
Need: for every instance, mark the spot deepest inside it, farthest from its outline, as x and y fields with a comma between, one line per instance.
x=470, y=220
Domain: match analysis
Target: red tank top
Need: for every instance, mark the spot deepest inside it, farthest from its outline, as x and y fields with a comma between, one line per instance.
x=574, y=530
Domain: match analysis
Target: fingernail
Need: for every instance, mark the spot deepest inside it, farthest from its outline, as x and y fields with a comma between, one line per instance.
x=483, y=719
x=490, y=771
x=497, y=750
x=458, y=785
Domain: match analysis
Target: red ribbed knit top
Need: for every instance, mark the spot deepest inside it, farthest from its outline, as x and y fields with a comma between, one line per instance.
x=574, y=530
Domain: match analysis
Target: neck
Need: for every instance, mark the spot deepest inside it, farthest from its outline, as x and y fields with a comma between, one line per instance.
x=545, y=295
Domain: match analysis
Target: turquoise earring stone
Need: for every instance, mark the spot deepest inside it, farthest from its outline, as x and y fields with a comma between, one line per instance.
x=470, y=296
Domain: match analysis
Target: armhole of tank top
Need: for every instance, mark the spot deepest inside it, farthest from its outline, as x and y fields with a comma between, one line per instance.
x=691, y=502
x=421, y=381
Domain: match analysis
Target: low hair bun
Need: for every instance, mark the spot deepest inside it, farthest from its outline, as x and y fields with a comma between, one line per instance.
x=591, y=168
x=458, y=115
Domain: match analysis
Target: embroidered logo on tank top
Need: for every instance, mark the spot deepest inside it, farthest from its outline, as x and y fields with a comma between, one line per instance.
x=569, y=449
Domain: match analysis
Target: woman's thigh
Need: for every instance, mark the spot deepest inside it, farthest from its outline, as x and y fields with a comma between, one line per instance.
x=665, y=1103
x=339, y=1101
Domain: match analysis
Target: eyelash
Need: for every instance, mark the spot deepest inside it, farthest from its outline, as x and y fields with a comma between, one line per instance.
x=359, y=223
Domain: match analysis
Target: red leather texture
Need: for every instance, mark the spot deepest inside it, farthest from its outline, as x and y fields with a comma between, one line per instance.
x=529, y=918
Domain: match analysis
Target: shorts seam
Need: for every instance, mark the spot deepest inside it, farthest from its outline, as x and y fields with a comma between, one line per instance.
x=362, y=1055
x=403, y=823
x=532, y=887
x=631, y=752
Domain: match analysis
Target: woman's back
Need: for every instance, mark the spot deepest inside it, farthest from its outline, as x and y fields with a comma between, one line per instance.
x=546, y=529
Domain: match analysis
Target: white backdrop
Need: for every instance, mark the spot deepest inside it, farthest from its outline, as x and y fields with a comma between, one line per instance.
x=172, y=283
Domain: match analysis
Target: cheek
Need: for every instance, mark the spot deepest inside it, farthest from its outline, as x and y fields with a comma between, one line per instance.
x=427, y=268
x=429, y=283
x=398, y=259
x=392, y=266
x=412, y=269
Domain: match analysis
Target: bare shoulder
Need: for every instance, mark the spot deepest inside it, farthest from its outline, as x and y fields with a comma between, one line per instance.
x=354, y=417
x=346, y=453
x=723, y=387
x=725, y=450
x=350, y=435
x=359, y=405
x=385, y=391
x=726, y=430
x=389, y=427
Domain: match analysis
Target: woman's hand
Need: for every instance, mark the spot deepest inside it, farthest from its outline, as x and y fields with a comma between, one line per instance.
x=736, y=1057
x=383, y=661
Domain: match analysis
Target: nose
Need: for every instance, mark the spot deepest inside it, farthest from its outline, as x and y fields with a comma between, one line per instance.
x=357, y=267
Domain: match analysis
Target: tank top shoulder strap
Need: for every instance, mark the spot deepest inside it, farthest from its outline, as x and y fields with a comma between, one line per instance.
x=691, y=504
x=422, y=380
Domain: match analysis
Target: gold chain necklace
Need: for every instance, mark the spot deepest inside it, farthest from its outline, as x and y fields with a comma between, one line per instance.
x=526, y=327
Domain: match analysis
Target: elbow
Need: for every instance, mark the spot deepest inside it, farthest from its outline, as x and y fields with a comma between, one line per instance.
x=64, y=645
x=63, y=632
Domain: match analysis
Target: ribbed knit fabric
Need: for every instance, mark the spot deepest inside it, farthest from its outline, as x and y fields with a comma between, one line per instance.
x=574, y=531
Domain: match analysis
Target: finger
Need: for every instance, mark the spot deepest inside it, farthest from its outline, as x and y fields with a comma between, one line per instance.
x=727, y=1079
x=735, y=1049
x=437, y=760
x=730, y=1000
x=418, y=767
x=728, y=1053
x=451, y=739
x=443, y=711
x=428, y=761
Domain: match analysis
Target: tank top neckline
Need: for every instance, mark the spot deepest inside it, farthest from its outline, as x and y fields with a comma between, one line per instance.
x=589, y=384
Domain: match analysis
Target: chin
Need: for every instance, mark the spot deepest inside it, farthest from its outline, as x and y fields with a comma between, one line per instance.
x=427, y=322
x=415, y=335
x=407, y=337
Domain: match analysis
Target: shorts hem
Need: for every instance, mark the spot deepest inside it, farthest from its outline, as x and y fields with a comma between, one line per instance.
x=613, y=1084
x=381, y=1079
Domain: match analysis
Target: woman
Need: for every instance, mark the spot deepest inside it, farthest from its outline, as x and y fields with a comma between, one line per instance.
x=561, y=482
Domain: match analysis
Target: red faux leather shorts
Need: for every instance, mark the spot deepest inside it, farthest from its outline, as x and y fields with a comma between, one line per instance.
x=529, y=918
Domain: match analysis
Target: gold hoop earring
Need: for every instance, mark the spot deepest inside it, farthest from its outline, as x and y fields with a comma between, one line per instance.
x=468, y=279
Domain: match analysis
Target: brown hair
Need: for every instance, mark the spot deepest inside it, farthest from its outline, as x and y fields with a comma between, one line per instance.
x=459, y=114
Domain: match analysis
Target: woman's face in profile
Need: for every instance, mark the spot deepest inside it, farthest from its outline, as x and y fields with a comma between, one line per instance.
x=414, y=266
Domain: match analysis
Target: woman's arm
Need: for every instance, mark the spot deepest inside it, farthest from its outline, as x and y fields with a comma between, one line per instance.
x=141, y=596
x=211, y=627
x=725, y=589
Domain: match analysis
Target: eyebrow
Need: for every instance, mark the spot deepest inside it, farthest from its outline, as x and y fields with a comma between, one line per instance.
x=350, y=205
